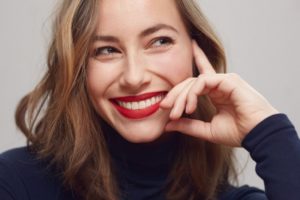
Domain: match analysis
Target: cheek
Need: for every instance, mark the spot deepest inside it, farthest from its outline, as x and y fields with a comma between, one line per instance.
x=96, y=80
x=93, y=83
x=174, y=65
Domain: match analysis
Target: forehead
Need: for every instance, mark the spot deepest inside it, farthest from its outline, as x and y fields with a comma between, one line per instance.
x=116, y=15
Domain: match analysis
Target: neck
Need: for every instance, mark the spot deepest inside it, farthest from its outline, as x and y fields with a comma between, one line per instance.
x=151, y=158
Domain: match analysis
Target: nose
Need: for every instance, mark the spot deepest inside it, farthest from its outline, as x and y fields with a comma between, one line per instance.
x=135, y=74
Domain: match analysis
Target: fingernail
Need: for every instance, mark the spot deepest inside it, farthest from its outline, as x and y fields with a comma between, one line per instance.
x=164, y=99
x=188, y=109
x=172, y=117
x=162, y=105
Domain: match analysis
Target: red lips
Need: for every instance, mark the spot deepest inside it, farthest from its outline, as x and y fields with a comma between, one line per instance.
x=140, y=113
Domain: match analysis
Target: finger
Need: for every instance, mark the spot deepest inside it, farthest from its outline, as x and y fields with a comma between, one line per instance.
x=202, y=62
x=192, y=127
x=204, y=84
x=226, y=86
x=180, y=102
x=169, y=100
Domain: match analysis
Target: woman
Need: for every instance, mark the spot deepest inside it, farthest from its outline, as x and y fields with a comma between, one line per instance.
x=135, y=105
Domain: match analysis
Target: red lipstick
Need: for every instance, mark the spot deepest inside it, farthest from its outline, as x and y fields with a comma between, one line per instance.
x=142, y=112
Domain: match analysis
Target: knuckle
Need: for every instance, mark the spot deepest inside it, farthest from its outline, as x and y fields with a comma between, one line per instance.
x=233, y=76
x=203, y=76
x=192, y=79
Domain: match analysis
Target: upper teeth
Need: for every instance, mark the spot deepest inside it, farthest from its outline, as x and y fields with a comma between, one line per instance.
x=136, y=105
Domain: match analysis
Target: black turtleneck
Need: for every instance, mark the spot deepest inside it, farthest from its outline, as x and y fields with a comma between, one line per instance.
x=141, y=168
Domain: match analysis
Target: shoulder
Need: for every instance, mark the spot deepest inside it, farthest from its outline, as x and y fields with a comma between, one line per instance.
x=21, y=161
x=10, y=183
x=242, y=193
x=17, y=156
x=24, y=176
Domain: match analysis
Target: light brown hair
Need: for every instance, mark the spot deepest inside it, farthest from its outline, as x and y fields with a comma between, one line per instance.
x=61, y=125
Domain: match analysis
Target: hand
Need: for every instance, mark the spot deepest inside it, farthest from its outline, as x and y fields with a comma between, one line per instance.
x=239, y=107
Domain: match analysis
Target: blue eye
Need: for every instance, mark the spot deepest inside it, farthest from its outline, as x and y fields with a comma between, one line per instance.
x=162, y=41
x=105, y=51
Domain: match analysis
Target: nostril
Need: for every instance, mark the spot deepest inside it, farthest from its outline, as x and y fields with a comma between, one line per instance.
x=134, y=79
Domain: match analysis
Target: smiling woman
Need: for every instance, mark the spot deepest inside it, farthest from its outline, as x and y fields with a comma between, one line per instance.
x=147, y=64
x=136, y=104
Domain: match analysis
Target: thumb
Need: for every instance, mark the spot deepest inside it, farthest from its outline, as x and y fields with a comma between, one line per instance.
x=192, y=127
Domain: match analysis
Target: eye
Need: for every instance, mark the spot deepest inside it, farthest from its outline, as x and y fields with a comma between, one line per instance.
x=106, y=52
x=162, y=42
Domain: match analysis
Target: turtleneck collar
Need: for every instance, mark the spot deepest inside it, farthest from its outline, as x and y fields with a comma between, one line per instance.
x=142, y=160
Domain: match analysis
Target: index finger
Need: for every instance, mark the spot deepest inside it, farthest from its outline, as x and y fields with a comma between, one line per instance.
x=202, y=62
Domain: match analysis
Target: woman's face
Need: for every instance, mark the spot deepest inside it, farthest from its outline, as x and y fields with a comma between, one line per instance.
x=141, y=50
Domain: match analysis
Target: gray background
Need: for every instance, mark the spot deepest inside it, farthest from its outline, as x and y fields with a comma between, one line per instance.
x=261, y=39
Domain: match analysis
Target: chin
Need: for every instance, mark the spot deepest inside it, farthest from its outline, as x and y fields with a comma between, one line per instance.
x=142, y=135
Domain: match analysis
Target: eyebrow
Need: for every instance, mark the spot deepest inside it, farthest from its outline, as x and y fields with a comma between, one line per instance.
x=156, y=28
x=144, y=33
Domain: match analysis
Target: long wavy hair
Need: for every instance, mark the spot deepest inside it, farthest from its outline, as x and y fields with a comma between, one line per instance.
x=61, y=125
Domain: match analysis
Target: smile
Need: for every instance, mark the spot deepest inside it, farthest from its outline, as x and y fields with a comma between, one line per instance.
x=136, y=107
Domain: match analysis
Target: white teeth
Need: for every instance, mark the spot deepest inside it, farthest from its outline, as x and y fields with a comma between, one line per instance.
x=135, y=105
x=153, y=100
x=123, y=104
x=148, y=102
x=141, y=104
x=128, y=105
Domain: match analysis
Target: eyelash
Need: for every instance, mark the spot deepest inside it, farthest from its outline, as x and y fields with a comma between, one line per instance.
x=111, y=50
x=166, y=41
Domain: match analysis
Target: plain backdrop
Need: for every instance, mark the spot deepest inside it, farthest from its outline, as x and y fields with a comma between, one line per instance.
x=261, y=38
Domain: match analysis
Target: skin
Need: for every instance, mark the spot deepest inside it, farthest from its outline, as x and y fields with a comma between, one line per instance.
x=239, y=106
x=137, y=63
x=146, y=63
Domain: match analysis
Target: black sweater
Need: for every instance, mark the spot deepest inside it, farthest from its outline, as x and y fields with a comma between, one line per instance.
x=142, y=168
